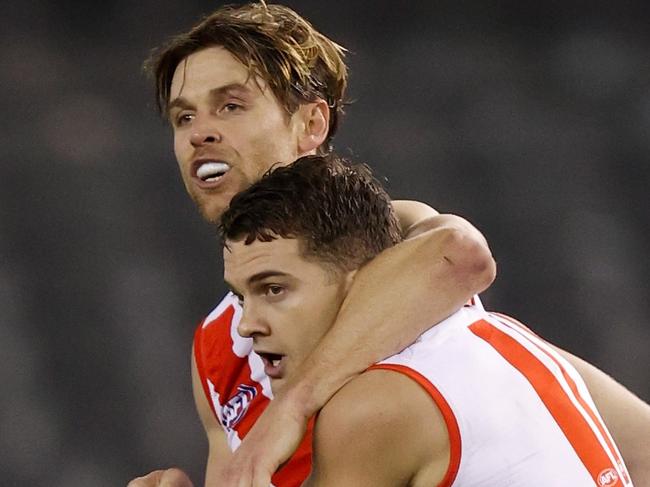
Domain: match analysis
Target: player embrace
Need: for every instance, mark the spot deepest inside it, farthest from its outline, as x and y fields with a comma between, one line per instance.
x=256, y=87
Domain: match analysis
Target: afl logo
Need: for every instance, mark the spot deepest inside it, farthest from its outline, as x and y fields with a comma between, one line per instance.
x=607, y=477
x=234, y=410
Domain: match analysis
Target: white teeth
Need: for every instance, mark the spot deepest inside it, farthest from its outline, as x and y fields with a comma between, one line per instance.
x=275, y=362
x=209, y=170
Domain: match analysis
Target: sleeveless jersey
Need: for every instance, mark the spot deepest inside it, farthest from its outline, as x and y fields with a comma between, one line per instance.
x=517, y=413
x=236, y=386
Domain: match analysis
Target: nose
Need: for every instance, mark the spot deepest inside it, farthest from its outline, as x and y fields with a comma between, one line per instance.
x=204, y=134
x=252, y=325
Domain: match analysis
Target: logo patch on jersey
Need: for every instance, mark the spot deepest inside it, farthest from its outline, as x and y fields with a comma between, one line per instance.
x=607, y=477
x=233, y=411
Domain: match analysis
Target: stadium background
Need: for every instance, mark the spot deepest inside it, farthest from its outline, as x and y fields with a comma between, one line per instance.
x=532, y=119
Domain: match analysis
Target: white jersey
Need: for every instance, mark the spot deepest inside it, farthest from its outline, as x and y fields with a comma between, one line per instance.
x=517, y=413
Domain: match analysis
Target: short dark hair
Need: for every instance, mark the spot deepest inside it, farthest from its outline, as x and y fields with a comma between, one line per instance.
x=339, y=211
x=298, y=63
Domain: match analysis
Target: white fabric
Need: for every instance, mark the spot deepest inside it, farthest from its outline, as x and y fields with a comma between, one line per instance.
x=508, y=436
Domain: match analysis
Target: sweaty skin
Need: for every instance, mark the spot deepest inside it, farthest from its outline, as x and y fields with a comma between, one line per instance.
x=221, y=114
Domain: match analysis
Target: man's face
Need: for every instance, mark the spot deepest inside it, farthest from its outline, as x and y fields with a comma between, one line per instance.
x=289, y=302
x=228, y=128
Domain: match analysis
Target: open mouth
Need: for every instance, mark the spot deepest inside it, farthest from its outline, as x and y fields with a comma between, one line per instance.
x=211, y=171
x=272, y=359
x=272, y=364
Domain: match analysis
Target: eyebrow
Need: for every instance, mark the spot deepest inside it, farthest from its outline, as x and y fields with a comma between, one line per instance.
x=214, y=93
x=260, y=276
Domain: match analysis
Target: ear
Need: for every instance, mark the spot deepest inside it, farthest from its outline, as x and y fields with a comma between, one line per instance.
x=315, y=127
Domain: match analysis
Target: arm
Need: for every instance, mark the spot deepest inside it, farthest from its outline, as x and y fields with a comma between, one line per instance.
x=627, y=417
x=441, y=264
x=381, y=429
x=219, y=452
x=432, y=273
x=412, y=215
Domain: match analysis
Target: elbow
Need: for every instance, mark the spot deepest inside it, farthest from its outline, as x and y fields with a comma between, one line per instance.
x=470, y=259
x=483, y=267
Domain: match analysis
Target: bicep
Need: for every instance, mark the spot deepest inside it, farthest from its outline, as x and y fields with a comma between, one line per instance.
x=411, y=213
x=219, y=451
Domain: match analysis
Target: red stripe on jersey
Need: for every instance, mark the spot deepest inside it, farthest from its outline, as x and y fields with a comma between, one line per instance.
x=520, y=328
x=572, y=423
x=447, y=414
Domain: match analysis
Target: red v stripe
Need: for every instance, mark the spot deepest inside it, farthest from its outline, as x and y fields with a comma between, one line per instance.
x=517, y=326
x=572, y=423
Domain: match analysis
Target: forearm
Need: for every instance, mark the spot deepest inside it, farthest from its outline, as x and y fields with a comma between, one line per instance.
x=393, y=299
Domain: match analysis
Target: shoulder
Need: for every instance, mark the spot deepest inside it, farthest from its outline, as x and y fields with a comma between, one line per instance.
x=217, y=335
x=381, y=428
x=224, y=311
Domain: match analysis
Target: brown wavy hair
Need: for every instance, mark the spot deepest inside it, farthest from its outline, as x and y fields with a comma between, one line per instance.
x=340, y=213
x=277, y=45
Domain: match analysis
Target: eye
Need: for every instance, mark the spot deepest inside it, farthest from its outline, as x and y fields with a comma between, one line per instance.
x=183, y=118
x=274, y=290
x=231, y=107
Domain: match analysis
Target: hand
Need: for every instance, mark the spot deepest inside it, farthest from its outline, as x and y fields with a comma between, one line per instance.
x=272, y=440
x=172, y=477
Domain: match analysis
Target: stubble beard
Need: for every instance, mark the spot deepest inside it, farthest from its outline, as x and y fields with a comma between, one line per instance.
x=210, y=217
x=208, y=210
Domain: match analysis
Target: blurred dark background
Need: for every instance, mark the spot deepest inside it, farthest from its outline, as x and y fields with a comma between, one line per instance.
x=531, y=119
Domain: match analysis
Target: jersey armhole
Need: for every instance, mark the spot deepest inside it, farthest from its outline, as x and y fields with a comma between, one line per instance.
x=447, y=413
